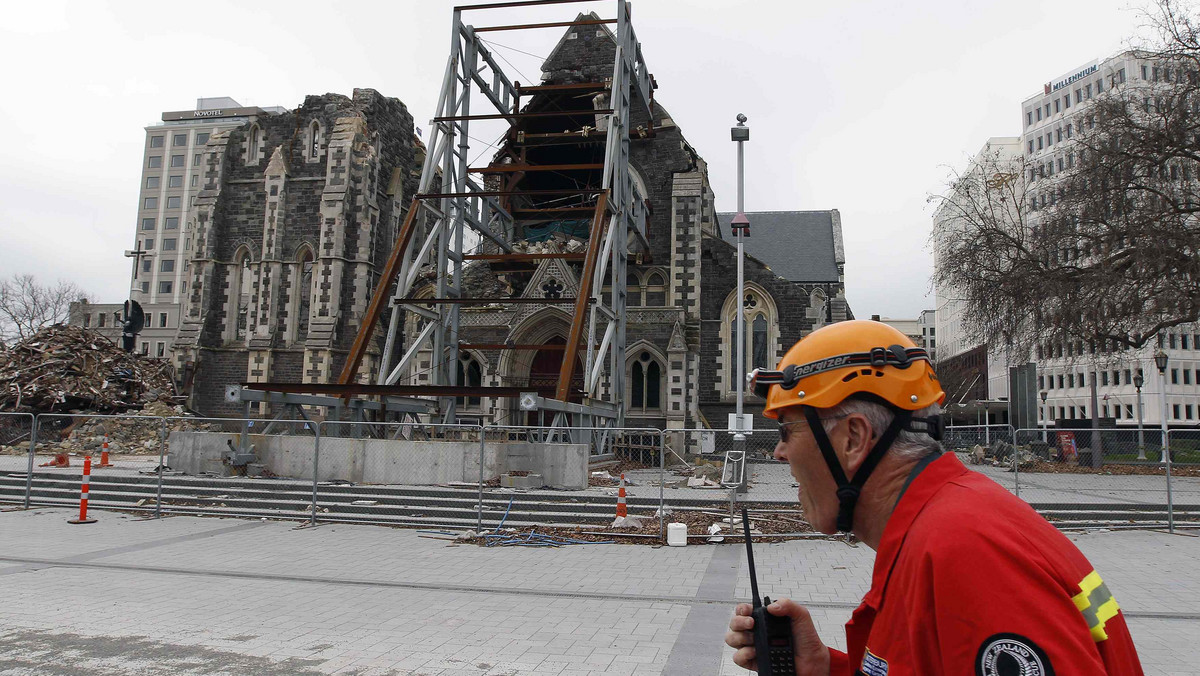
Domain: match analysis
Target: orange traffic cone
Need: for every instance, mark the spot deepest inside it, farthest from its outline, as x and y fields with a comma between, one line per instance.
x=621, y=509
x=104, y=454
x=60, y=460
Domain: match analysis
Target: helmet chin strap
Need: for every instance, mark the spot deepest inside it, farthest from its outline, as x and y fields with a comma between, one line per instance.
x=848, y=491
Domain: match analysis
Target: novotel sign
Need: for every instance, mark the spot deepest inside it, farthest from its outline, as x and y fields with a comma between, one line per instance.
x=214, y=112
x=1070, y=79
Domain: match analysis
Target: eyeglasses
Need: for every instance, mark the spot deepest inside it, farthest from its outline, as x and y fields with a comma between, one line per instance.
x=784, y=428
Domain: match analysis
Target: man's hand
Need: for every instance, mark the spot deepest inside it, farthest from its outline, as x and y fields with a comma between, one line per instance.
x=812, y=657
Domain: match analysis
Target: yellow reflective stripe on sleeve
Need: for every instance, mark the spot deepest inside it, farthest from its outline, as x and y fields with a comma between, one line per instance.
x=1096, y=604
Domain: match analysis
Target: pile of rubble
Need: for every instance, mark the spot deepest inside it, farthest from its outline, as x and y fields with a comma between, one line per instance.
x=137, y=434
x=71, y=369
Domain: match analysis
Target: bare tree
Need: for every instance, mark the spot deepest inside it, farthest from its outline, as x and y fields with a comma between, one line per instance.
x=27, y=306
x=1104, y=255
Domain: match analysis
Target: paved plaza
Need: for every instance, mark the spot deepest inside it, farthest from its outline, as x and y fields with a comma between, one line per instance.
x=206, y=596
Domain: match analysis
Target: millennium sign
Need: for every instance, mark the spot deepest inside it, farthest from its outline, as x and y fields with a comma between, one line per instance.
x=1071, y=79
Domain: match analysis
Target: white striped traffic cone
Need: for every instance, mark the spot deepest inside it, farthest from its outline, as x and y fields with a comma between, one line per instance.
x=104, y=454
x=621, y=509
x=83, y=493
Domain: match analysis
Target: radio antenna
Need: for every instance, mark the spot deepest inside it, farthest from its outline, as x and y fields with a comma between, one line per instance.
x=750, y=560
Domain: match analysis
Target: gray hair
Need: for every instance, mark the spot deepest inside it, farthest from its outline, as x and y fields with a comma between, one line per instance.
x=907, y=446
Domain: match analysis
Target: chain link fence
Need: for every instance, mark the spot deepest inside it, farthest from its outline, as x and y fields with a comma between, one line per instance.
x=484, y=478
x=1091, y=477
x=17, y=439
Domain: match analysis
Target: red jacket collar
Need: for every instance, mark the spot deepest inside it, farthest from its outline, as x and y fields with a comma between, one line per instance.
x=927, y=483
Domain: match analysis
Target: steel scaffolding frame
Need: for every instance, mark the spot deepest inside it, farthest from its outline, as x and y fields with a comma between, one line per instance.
x=450, y=202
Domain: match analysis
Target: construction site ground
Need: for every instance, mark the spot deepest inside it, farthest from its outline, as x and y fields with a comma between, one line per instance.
x=207, y=597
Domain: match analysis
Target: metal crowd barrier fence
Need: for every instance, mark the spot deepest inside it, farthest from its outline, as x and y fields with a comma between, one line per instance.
x=1094, y=477
x=125, y=452
x=18, y=436
x=577, y=481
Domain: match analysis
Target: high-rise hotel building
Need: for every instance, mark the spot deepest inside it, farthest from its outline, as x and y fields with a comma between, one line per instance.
x=171, y=178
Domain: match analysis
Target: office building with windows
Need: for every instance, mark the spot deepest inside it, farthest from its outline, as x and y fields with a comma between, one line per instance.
x=170, y=179
x=1046, y=152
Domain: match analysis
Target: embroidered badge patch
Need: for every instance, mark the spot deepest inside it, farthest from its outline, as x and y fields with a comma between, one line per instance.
x=873, y=665
x=1011, y=655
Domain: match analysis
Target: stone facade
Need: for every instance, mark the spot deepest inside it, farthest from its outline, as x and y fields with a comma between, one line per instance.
x=297, y=214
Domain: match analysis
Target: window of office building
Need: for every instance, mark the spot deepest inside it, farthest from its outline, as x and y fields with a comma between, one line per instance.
x=195, y=180
x=150, y=203
x=201, y=138
x=1028, y=117
x=147, y=265
x=1087, y=92
x=175, y=182
x=157, y=141
x=147, y=224
x=174, y=202
x=145, y=287
x=162, y=349
x=1066, y=101
x=164, y=287
x=196, y=159
x=1039, y=140
x=145, y=348
x=1039, y=114
x=162, y=320
x=152, y=181
x=1174, y=412
x=166, y=265
x=171, y=222
x=1047, y=111
x=179, y=140
x=176, y=161
x=1057, y=109
x=154, y=161
x=1099, y=85
x=168, y=244
x=1144, y=72
x=1031, y=146
x=1121, y=76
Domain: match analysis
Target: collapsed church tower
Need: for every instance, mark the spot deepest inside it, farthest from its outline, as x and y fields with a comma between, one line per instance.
x=681, y=282
x=297, y=213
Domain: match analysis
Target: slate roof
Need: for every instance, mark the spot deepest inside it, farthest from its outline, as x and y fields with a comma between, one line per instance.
x=800, y=246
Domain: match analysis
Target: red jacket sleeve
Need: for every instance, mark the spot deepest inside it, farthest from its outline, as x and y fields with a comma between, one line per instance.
x=839, y=663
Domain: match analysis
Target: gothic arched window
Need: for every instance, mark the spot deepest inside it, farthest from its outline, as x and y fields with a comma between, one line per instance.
x=304, y=291
x=253, y=144
x=314, y=140
x=633, y=290
x=656, y=289
x=758, y=354
x=245, y=285
x=645, y=382
x=469, y=375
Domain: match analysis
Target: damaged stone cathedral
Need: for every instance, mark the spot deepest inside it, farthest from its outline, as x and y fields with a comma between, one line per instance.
x=299, y=211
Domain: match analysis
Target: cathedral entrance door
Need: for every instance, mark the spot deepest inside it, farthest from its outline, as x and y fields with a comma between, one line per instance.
x=543, y=377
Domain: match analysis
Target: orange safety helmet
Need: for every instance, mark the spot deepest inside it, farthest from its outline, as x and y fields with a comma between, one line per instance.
x=856, y=357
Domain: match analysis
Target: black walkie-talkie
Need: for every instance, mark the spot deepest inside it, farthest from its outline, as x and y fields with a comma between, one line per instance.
x=772, y=634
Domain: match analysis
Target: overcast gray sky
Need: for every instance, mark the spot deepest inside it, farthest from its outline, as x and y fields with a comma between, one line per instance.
x=855, y=105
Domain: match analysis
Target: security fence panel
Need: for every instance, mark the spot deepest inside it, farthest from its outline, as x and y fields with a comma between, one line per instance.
x=236, y=467
x=1184, y=479
x=16, y=456
x=965, y=437
x=1080, y=477
x=401, y=473
x=567, y=483
x=124, y=449
x=707, y=484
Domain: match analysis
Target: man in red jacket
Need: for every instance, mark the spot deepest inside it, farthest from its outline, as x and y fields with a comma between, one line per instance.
x=968, y=579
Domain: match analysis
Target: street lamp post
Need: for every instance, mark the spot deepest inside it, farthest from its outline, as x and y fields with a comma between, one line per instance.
x=1160, y=360
x=1138, y=381
x=1045, y=416
x=741, y=227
